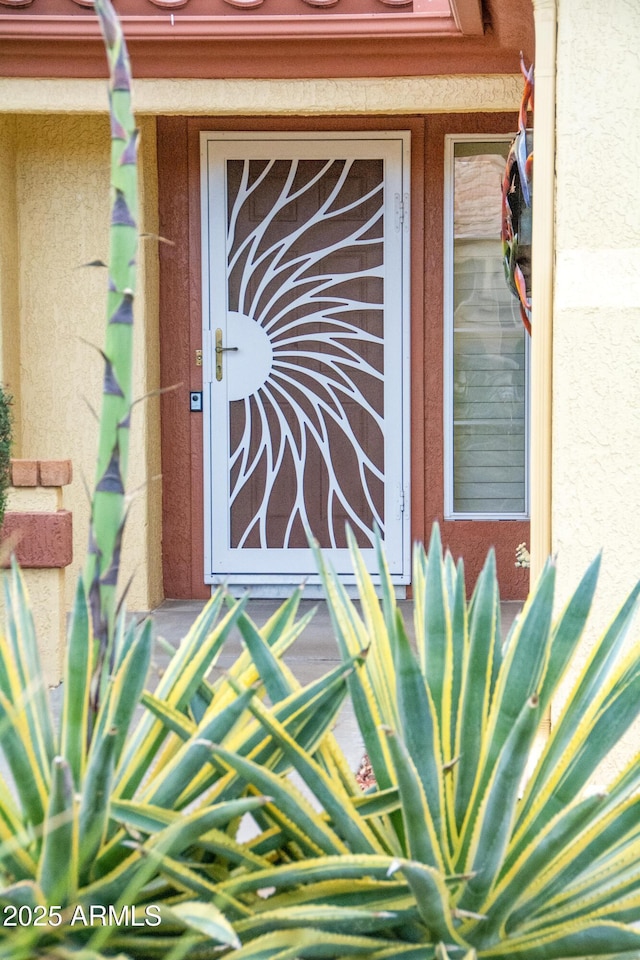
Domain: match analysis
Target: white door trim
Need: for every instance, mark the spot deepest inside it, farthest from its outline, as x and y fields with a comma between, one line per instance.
x=221, y=145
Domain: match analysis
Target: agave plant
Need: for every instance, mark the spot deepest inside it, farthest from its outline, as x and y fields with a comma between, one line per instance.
x=490, y=861
x=126, y=842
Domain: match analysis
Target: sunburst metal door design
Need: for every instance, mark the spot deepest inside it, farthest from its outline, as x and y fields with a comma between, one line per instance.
x=306, y=347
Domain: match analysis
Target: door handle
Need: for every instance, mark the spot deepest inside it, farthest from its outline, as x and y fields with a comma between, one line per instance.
x=219, y=351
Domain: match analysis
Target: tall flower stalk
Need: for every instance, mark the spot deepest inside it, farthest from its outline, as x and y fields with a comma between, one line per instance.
x=108, y=510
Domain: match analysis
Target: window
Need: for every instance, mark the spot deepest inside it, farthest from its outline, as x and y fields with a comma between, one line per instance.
x=486, y=349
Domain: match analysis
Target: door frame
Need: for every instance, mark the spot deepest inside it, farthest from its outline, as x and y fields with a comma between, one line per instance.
x=180, y=317
x=397, y=503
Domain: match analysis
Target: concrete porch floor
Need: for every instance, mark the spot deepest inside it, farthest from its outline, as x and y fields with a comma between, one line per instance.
x=315, y=650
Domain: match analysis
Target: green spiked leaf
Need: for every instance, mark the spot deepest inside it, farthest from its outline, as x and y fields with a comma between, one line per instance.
x=476, y=687
x=422, y=839
x=421, y=734
x=75, y=706
x=432, y=900
x=96, y=796
x=58, y=865
x=593, y=940
x=497, y=810
x=206, y=919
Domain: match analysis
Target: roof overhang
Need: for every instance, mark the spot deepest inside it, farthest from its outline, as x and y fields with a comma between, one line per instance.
x=261, y=37
x=237, y=20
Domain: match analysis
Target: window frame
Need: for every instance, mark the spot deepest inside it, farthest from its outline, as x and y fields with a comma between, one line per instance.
x=450, y=513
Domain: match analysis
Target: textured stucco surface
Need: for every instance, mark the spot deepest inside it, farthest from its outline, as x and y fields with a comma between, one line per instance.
x=46, y=592
x=388, y=95
x=62, y=203
x=9, y=258
x=148, y=310
x=46, y=588
x=596, y=338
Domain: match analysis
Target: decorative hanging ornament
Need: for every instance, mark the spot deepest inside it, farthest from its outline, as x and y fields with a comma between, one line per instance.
x=516, y=204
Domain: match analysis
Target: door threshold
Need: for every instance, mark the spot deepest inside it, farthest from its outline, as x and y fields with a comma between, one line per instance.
x=312, y=591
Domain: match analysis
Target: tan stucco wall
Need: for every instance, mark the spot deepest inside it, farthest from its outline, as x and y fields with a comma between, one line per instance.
x=596, y=333
x=388, y=95
x=9, y=272
x=61, y=186
x=46, y=588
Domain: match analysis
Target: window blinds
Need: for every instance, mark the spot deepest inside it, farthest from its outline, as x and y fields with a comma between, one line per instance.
x=489, y=353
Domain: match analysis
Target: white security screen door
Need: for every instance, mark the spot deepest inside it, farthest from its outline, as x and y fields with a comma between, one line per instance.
x=305, y=376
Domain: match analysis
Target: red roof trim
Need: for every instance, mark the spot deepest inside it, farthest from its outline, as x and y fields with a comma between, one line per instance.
x=19, y=26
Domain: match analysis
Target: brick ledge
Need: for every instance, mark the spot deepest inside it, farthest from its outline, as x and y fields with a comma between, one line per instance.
x=41, y=473
x=38, y=540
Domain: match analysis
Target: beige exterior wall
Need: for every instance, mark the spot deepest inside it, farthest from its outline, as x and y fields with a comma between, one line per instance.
x=46, y=588
x=596, y=375
x=53, y=315
x=9, y=269
x=389, y=95
x=596, y=333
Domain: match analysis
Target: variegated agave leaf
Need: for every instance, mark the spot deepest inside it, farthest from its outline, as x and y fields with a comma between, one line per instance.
x=147, y=810
x=550, y=872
